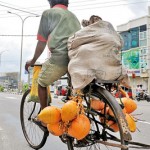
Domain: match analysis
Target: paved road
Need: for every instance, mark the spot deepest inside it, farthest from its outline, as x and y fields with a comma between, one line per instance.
x=11, y=137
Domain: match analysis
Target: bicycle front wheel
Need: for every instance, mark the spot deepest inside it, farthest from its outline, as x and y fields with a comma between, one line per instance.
x=35, y=137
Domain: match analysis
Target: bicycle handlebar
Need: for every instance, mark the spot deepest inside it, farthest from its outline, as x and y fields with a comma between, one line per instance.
x=36, y=65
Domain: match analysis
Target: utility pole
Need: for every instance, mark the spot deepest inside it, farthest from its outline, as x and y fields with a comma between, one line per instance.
x=22, y=30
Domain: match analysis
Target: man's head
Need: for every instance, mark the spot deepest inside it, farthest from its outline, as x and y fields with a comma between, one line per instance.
x=55, y=2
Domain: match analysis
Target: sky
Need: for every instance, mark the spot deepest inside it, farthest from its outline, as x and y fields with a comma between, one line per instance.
x=115, y=11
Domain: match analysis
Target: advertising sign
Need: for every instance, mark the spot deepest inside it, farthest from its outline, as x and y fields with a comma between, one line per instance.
x=130, y=38
x=130, y=59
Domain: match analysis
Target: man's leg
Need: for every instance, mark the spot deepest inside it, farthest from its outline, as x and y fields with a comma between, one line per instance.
x=48, y=75
x=42, y=91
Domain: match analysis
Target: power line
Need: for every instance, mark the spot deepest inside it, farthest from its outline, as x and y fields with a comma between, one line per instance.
x=8, y=4
x=102, y=3
x=16, y=6
x=6, y=15
x=83, y=5
x=11, y=16
x=17, y=35
x=97, y=0
x=18, y=9
x=111, y=5
x=83, y=2
x=70, y=3
x=23, y=7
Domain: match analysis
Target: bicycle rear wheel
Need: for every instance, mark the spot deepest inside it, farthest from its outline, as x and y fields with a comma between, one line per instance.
x=34, y=135
x=101, y=136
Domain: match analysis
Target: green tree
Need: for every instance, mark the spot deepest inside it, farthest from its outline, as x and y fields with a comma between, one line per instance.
x=25, y=87
x=1, y=88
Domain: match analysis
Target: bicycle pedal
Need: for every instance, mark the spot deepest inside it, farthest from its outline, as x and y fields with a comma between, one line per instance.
x=39, y=123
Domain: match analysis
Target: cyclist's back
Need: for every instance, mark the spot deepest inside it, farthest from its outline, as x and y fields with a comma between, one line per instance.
x=60, y=23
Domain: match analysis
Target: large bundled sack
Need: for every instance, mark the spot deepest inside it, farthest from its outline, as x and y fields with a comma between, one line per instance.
x=95, y=53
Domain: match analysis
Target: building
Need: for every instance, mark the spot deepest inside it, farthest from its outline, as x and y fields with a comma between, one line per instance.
x=136, y=50
x=9, y=80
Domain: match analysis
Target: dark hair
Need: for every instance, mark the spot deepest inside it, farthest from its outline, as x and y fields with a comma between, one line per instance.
x=55, y=2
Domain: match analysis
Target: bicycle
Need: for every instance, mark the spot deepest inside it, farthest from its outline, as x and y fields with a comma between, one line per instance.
x=100, y=133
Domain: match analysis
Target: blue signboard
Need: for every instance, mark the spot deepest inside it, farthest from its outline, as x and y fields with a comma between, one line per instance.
x=130, y=38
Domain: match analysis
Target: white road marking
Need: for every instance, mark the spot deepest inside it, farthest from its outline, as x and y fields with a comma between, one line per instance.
x=144, y=122
x=11, y=97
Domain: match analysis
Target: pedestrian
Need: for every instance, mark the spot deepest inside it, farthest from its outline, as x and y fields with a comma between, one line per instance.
x=56, y=26
x=138, y=90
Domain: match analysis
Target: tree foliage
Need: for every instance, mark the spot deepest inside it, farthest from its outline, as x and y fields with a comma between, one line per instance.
x=1, y=88
x=25, y=87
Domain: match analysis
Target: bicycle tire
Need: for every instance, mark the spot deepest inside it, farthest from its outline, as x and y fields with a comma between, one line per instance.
x=123, y=129
x=125, y=135
x=34, y=129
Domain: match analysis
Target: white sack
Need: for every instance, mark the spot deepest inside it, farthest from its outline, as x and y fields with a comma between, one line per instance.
x=95, y=53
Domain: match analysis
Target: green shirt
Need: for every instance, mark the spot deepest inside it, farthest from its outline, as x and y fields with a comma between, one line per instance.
x=56, y=26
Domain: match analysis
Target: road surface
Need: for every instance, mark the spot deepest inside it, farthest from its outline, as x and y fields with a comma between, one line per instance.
x=11, y=136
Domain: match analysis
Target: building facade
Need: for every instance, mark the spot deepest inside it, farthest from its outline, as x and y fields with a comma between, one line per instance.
x=136, y=51
x=9, y=80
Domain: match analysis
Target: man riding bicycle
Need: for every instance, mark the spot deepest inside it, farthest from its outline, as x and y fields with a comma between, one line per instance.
x=56, y=26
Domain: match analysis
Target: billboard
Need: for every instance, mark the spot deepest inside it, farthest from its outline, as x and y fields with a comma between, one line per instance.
x=130, y=60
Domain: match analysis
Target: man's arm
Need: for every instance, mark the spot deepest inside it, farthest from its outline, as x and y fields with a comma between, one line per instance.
x=38, y=51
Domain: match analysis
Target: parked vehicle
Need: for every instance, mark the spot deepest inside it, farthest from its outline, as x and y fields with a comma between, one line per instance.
x=143, y=95
x=61, y=90
x=128, y=91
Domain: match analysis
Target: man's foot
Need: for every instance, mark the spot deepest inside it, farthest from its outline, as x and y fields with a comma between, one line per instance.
x=65, y=99
x=41, y=125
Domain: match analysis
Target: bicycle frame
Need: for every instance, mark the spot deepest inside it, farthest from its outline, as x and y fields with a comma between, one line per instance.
x=94, y=88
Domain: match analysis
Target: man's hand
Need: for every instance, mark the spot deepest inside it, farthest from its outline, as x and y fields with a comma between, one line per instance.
x=28, y=64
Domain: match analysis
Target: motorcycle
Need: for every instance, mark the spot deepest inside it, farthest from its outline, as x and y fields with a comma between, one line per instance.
x=143, y=95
